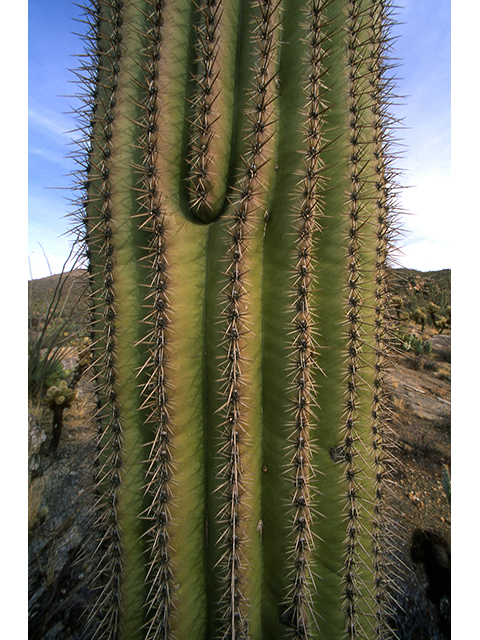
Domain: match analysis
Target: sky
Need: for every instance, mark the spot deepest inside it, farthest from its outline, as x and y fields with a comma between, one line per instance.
x=423, y=81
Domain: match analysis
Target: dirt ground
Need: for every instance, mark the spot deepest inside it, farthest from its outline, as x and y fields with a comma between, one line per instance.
x=421, y=430
x=59, y=499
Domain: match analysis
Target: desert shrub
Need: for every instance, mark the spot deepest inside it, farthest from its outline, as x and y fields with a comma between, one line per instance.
x=442, y=323
x=397, y=304
x=419, y=316
x=410, y=342
x=432, y=310
x=50, y=340
x=424, y=446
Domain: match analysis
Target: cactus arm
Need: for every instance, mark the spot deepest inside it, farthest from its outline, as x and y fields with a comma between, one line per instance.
x=173, y=394
x=121, y=241
x=198, y=98
x=215, y=106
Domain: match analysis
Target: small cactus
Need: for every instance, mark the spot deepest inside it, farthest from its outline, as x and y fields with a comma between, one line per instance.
x=420, y=317
x=442, y=323
x=59, y=394
x=432, y=310
x=58, y=397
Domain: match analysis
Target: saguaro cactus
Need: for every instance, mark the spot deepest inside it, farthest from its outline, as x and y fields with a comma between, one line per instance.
x=237, y=218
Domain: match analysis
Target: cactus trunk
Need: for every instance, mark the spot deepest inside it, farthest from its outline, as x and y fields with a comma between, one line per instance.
x=236, y=215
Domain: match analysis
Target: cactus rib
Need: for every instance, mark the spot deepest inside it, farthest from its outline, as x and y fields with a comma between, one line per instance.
x=299, y=606
x=236, y=331
x=161, y=573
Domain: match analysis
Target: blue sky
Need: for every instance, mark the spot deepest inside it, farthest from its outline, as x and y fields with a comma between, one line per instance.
x=423, y=77
x=52, y=52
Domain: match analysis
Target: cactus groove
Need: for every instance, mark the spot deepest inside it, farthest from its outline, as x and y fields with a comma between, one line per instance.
x=237, y=211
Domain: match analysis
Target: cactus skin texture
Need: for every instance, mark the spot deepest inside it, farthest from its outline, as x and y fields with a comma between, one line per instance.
x=236, y=208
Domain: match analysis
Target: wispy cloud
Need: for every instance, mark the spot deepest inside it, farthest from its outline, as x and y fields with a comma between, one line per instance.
x=51, y=156
x=50, y=122
x=427, y=242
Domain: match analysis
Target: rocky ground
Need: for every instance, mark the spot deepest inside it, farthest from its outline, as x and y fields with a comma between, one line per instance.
x=421, y=411
x=59, y=499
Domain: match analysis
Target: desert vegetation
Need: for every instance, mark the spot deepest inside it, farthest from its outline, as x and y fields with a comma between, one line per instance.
x=423, y=298
x=59, y=485
x=420, y=400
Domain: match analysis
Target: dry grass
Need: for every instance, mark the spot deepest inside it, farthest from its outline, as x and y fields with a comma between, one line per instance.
x=444, y=372
x=39, y=411
x=80, y=413
x=399, y=402
x=36, y=489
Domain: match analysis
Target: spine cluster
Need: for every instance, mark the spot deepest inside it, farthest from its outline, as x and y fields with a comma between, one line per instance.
x=234, y=512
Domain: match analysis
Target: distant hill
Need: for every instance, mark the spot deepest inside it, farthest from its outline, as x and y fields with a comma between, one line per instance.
x=71, y=294
x=418, y=288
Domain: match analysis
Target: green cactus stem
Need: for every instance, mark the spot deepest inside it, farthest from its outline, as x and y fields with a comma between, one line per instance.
x=236, y=206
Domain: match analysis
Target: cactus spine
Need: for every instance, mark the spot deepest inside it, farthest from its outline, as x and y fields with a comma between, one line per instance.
x=236, y=213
